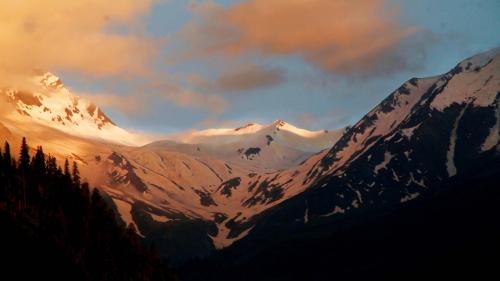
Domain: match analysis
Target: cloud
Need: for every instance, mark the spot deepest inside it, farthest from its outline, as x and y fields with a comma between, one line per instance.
x=248, y=78
x=346, y=37
x=139, y=105
x=95, y=39
x=215, y=104
x=242, y=78
x=184, y=97
x=130, y=104
x=90, y=37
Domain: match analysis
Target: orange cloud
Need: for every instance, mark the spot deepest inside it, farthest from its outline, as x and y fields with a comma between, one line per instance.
x=130, y=104
x=158, y=90
x=185, y=97
x=73, y=36
x=335, y=35
x=95, y=38
x=214, y=104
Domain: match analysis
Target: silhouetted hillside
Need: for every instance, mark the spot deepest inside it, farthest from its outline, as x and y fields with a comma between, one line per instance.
x=55, y=228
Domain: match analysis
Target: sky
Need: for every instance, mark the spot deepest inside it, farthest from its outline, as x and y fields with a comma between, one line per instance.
x=164, y=66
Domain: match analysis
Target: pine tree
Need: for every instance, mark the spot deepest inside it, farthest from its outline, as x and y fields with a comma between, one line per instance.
x=85, y=193
x=7, y=172
x=3, y=188
x=76, y=174
x=39, y=161
x=6, y=157
x=1, y=162
x=24, y=159
x=51, y=165
x=24, y=164
x=38, y=173
x=67, y=174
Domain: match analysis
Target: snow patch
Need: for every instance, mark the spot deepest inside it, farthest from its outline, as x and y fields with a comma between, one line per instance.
x=125, y=210
x=408, y=132
x=221, y=241
x=395, y=176
x=492, y=140
x=407, y=154
x=450, y=164
x=158, y=218
x=336, y=210
x=387, y=158
x=358, y=194
x=409, y=197
x=478, y=81
x=355, y=203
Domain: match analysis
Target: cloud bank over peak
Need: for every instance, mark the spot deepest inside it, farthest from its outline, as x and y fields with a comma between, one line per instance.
x=88, y=37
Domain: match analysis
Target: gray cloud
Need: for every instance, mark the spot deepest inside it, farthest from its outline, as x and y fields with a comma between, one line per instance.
x=241, y=78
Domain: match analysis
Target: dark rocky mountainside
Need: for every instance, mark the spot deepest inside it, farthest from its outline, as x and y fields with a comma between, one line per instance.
x=452, y=233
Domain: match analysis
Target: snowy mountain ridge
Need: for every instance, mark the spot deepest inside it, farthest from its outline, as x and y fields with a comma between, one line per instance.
x=473, y=82
x=249, y=128
x=50, y=103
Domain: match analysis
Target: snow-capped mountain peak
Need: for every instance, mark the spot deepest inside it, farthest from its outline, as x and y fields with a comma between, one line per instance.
x=283, y=125
x=279, y=123
x=208, y=135
x=50, y=103
x=463, y=88
x=473, y=83
x=275, y=146
x=248, y=128
x=50, y=81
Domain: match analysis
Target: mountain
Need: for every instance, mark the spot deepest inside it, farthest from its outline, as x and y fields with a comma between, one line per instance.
x=48, y=102
x=450, y=234
x=189, y=186
x=199, y=188
x=272, y=147
x=256, y=190
x=430, y=145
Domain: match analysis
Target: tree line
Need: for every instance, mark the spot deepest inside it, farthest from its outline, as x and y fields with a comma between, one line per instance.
x=65, y=221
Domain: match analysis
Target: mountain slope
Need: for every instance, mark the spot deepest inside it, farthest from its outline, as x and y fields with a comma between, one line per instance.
x=426, y=131
x=471, y=86
x=436, y=235
x=426, y=136
x=167, y=183
x=54, y=227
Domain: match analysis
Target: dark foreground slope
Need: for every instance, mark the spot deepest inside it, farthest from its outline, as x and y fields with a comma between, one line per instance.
x=53, y=228
x=452, y=233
